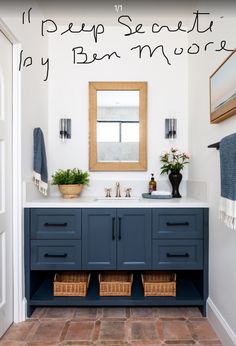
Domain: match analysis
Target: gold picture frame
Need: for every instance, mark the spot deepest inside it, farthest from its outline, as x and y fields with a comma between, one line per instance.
x=223, y=90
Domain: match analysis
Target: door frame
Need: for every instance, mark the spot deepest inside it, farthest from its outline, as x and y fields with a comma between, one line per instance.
x=17, y=205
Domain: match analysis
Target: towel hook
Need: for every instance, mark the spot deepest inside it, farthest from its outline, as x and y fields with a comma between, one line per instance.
x=215, y=145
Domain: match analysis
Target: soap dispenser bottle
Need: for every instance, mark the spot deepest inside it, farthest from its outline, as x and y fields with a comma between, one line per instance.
x=152, y=184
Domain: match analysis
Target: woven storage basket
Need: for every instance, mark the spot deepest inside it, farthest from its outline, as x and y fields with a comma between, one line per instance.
x=159, y=284
x=71, y=284
x=115, y=284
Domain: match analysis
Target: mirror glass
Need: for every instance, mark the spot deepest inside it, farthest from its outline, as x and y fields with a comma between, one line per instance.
x=117, y=126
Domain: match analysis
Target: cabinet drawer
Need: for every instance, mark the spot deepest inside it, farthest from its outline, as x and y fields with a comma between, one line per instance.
x=177, y=254
x=56, y=223
x=59, y=254
x=178, y=223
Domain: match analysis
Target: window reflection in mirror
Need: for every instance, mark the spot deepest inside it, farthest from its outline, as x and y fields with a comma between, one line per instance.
x=118, y=126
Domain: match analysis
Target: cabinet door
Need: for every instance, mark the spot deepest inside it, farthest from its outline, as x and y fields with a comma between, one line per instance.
x=134, y=238
x=99, y=239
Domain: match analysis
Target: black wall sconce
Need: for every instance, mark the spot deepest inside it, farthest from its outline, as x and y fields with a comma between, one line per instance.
x=65, y=129
x=170, y=128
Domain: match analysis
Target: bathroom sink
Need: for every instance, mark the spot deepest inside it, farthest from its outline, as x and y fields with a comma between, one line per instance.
x=118, y=199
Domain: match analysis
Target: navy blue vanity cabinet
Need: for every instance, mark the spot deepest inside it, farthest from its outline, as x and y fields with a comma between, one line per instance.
x=116, y=239
x=132, y=239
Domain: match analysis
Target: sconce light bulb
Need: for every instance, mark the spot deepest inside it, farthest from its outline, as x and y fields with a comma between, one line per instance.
x=65, y=129
x=170, y=128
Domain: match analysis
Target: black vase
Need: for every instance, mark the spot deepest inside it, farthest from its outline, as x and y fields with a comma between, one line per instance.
x=175, y=179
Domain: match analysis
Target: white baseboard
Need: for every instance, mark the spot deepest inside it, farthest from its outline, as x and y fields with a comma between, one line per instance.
x=222, y=328
x=20, y=312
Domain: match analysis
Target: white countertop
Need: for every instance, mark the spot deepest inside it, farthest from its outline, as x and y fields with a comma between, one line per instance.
x=91, y=202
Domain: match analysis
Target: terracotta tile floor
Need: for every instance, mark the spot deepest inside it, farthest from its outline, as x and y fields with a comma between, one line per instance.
x=112, y=327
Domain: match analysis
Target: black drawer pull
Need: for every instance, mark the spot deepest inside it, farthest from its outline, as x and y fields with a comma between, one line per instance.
x=177, y=223
x=55, y=256
x=47, y=224
x=177, y=254
x=113, y=228
x=119, y=236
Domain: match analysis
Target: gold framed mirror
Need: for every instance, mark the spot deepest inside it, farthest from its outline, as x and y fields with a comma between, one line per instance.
x=118, y=126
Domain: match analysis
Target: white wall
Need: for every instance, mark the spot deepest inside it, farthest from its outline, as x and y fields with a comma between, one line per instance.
x=68, y=95
x=205, y=164
x=34, y=92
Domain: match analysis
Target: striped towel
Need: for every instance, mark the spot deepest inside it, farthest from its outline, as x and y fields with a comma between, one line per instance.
x=228, y=180
x=40, y=173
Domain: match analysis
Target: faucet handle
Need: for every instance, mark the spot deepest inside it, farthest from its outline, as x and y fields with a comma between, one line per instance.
x=127, y=192
x=108, y=191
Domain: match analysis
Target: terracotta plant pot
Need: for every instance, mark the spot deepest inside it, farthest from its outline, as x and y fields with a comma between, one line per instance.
x=70, y=191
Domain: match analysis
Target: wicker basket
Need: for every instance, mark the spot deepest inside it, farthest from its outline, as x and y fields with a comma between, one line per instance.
x=115, y=284
x=71, y=284
x=159, y=284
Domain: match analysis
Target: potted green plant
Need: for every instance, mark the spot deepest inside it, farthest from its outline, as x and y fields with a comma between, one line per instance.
x=173, y=162
x=70, y=181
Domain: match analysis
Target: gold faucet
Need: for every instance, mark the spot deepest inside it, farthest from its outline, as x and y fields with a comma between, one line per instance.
x=118, y=189
x=108, y=192
x=127, y=192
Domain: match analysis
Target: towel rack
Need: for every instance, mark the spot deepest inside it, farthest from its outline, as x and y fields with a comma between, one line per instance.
x=215, y=145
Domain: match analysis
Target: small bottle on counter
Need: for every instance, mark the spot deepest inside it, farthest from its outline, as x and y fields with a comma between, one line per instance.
x=152, y=185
